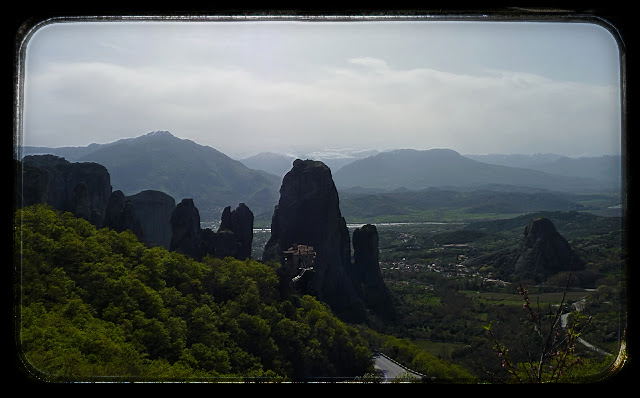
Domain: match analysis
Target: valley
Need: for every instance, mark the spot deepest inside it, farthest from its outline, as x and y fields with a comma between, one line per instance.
x=379, y=197
x=444, y=253
x=445, y=302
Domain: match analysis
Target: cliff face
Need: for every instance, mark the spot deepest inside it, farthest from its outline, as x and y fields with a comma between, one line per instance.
x=80, y=188
x=147, y=214
x=233, y=238
x=235, y=233
x=308, y=213
x=187, y=237
x=120, y=216
x=365, y=272
x=84, y=190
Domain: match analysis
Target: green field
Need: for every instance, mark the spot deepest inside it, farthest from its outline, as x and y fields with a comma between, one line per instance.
x=544, y=299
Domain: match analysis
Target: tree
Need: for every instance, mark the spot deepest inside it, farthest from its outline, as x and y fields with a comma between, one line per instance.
x=550, y=347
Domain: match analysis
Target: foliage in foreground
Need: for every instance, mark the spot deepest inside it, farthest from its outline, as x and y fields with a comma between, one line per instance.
x=99, y=305
x=418, y=359
x=551, y=348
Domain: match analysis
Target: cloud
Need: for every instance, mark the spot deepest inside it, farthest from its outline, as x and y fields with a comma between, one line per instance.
x=370, y=62
x=364, y=103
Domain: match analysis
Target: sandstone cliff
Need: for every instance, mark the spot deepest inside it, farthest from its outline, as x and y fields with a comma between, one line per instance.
x=187, y=237
x=235, y=234
x=308, y=213
x=80, y=188
x=233, y=238
x=120, y=216
x=147, y=214
x=365, y=271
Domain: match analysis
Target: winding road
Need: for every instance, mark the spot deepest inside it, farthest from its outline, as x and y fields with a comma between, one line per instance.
x=578, y=306
x=391, y=370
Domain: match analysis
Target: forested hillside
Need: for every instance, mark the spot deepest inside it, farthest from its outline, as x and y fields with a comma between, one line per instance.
x=97, y=305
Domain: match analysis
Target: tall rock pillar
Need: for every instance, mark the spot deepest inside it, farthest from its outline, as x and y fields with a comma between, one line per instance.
x=308, y=213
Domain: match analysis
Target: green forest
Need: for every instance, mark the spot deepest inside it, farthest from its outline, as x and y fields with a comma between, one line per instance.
x=96, y=305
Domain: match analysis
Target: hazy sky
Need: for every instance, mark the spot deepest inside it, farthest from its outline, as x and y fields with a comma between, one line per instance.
x=244, y=87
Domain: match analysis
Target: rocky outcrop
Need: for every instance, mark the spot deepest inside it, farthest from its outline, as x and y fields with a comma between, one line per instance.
x=147, y=214
x=233, y=238
x=365, y=272
x=542, y=252
x=31, y=184
x=154, y=209
x=120, y=216
x=308, y=213
x=80, y=188
x=235, y=234
x=84, y=190
x=187, y=236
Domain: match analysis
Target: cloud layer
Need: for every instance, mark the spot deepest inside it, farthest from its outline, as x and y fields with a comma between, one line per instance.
x=366, y=103
x=249, y=88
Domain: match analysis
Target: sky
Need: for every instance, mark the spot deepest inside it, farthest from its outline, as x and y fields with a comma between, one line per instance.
x=296, y=86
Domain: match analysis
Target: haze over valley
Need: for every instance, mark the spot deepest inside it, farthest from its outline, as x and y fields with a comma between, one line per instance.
x=282, y=199
x=395, y=184
x=461, y=230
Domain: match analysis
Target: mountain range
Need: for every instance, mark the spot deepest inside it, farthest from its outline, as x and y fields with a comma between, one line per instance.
x=280, y=164
x=179, y=167
x=419, y=169
x=411, y=180
x=414, y=169
x=601, y=168
x=270, y=162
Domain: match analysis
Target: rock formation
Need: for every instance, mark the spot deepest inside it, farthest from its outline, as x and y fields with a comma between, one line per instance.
x=308, y=213
x=233, y=238
x=147, y=214
x=120, y=216
x=31, y=184
x=84, y=189
x=544, y=252
x=365, y=272
x=541, y=253
x=80, y=188
x=154, y=209
x=235, y=234
x=187, y=236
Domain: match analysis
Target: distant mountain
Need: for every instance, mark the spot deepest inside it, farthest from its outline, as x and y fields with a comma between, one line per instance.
x=517, y=160
x=405, y=204
x=280, y=164
x=70, y=153
x=336, y=159
x=415, y=169
x=607, y=168
x=272, y=163
x=183, y=169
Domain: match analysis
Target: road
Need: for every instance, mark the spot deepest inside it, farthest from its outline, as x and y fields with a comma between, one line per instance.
x=391, y=370
x=579, y=306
